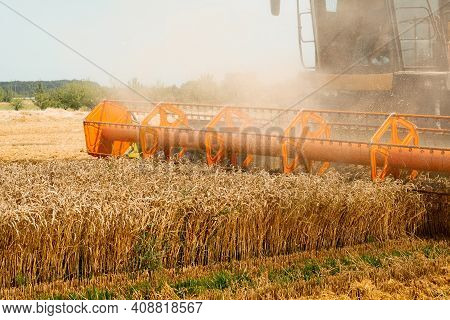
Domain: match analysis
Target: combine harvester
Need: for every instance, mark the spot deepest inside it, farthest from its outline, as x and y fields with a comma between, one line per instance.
x=356, y=53
x=311, y=139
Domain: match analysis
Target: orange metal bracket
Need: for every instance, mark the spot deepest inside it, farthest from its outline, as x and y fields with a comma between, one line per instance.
x=102, y=115
x=163, y=111
x=213, y=138
x=302, y=121
x=392, y=123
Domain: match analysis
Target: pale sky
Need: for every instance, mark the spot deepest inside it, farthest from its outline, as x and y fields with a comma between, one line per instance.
x=170, y=41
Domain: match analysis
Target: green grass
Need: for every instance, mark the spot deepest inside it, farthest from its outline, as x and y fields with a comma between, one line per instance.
x=27, y=105
x=285, y=275
x=88, y=294
x=5, y=106
x=311, y=270
x=307, y=271
x=96, y=294
x=143, y=288
x=300, y=270
x=218, y=281
x=332, y=265
x=372, y=260
x=432, y=252
x=20, y=280
x=399, y=254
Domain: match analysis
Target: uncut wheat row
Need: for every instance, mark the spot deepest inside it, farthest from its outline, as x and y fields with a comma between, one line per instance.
x=75, y=219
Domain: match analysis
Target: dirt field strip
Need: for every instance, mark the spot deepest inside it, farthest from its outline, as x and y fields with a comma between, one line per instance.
x=41, y=135
x=403, y=269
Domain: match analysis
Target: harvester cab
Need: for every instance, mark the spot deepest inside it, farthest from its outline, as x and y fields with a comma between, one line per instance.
x=391, y=54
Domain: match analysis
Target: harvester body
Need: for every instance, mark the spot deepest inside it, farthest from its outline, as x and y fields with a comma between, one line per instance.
x=388, y=55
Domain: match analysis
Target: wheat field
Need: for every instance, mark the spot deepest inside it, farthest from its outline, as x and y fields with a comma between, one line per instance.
x=71, y=219
x=73, y=227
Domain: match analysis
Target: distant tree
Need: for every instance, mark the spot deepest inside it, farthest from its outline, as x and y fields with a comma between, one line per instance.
x=204, y=90
x=135, y=84
x=160, y=92
x=6, y=95
x=17, y=104
x=27, y=88
x=73, y=95
x=39, y=88
x=45, y=99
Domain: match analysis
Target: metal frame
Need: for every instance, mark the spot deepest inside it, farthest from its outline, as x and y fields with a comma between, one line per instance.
x=436, y=35
x=399, y=64
x=300, y=36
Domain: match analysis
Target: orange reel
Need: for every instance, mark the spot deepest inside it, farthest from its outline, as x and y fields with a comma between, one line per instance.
x=106, y=115
x=163, y=111
x=392, y=123
x=302, y=121
x=215, y=139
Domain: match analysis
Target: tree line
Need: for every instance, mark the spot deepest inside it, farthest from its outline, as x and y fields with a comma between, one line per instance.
x=77, y=94
x=64, y=94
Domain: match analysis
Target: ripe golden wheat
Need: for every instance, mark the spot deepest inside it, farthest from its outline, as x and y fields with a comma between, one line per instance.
x=74, y=219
